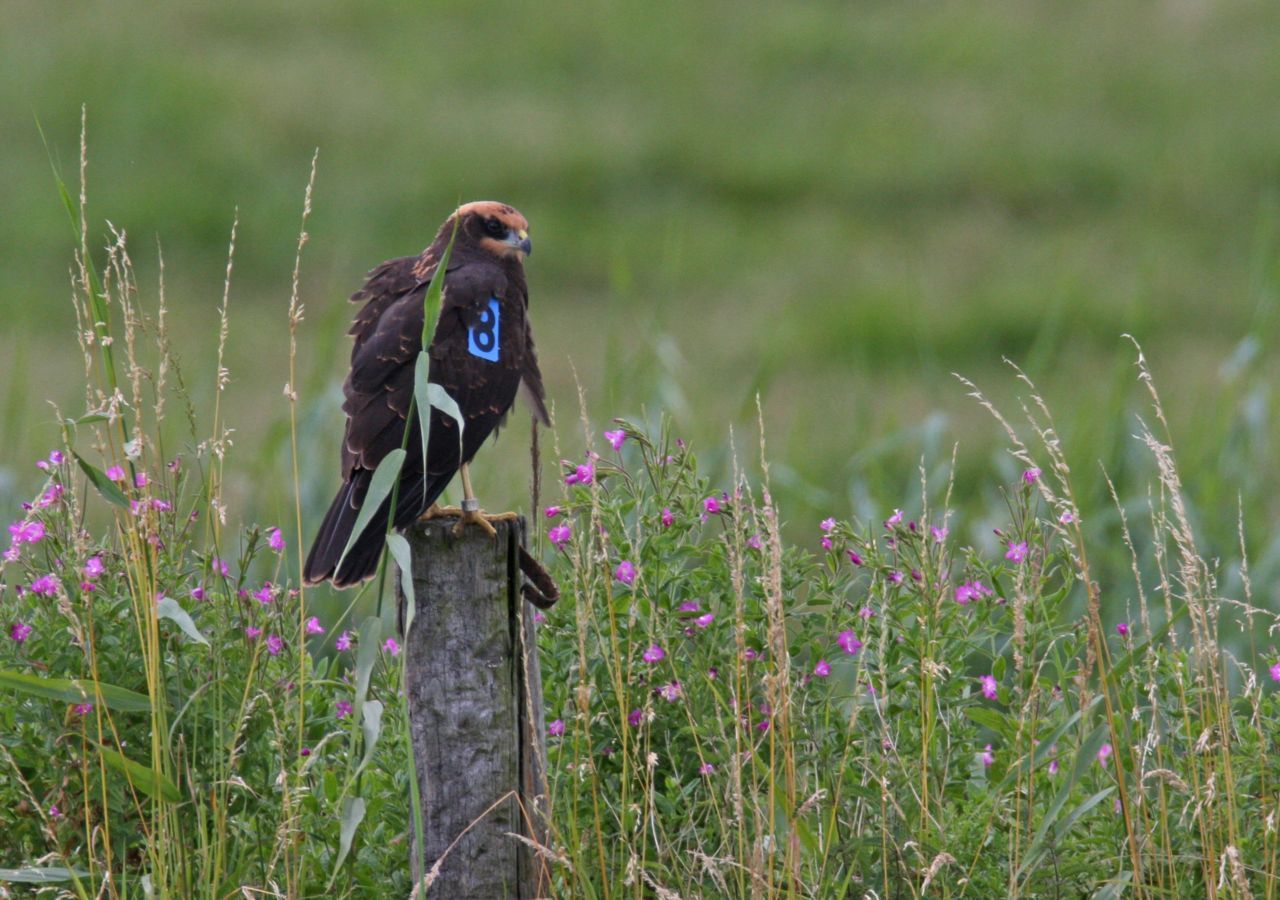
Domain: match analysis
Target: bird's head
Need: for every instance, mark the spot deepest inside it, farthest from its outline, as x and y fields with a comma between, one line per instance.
x=495, y=228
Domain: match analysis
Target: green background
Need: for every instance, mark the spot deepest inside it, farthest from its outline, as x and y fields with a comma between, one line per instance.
x=832, y=205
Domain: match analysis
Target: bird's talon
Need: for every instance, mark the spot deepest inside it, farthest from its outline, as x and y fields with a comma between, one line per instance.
x=438, y=512
x=474, y=517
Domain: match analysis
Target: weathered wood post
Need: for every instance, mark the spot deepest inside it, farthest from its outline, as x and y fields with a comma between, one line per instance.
x=475, y=712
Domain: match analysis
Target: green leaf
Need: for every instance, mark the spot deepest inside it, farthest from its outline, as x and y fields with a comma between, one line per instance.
x=47, y=875
x=168, y=608
x=352, y=814
x=79, y=690
x=106, y=487
x=399, y=548
x=152, y=783
x=384, y=479
x=432, y=300
x=366, y=656
x=441, y=400
x=372, y=725
x=89, y=419
x=422, y=400
x=988, y=718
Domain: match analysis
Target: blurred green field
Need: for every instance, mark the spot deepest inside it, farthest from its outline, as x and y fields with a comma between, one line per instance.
x=834, y=205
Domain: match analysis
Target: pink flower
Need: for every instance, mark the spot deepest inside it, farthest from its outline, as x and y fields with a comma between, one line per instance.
x=275, y=540
x=140, y=480
x=197, y=593
x=854, y=558
x=538, y=617
x=304, y=752
x=93, y=567
x=556, y=728
x=559, y=535
x=275, y=644
x=706, y=769
x=822, y=669
x=895, y=519
x=670, y=692
x=754, y=542
x=827, y=524
x=1066, y=518
x=342, y=709
x=826, y=543
x=51, y=495
x=690, y=606
x=1053, y=767
x=56, y=457
x=667, y=517
x=704, y=621
x=314, y=626
x=895, y=577
x=263, y=594
x=115, y=473
x=26, y=532
x=657, y=654
x=1122, y=629
x=551, y=512
x=583, y=474
x=1017, y=551
x=1275, y=670
x=987, y=756
x=939, y=534
x=20, y=631
x=54, y=812
x=219, y=566
x=344, y=641
x=626, y=572
x=635, y=717
x=971, y=590
x=711, y=505
x=989, y=686
x=615, y=438
x=82, y=709
x=391, y=646
x=1104, y=753
x=849, y=642
x=252, y=632
x=1031, y=475
x=45, y=585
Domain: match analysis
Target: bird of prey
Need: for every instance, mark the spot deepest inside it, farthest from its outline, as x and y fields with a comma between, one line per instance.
x=482, y=354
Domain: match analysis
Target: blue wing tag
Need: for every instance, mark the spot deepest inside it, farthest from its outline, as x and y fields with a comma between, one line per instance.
x=483, y=337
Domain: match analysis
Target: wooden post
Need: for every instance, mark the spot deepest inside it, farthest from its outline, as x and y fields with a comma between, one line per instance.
x=475, y=713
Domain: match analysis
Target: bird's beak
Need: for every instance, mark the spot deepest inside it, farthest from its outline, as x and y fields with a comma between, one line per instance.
x=520, y=241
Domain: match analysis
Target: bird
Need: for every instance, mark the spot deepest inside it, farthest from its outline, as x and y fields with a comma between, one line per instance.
x=481, y=353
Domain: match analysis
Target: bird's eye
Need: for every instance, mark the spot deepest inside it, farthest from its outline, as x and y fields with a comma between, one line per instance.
x=494, y=228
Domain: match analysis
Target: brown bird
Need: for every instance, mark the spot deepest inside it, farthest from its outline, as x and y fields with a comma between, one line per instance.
x=481, y=354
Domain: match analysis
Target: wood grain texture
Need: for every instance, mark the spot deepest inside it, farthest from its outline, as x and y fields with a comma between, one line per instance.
x=475, y=711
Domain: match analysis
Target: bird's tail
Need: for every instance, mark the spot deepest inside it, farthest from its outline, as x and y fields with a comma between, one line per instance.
x=361, y=562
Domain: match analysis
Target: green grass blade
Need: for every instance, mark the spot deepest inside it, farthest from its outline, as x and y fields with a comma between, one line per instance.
x=399, y=548
x=352, y=814
x=431, y=304
x=46, y=875
x=366, y=656
x=168, y=608
x=109, y=490
x=75, y=691
x=372, y=725
x=384, y=480
x=152, y=783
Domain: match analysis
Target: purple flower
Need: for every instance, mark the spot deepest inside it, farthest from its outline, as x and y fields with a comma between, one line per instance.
x=583, y=474
x=1017, y=551
x=939, y=534
x=140, y=480
x=670, y=692
x=988, y=683
x=54, y=812
x=263, y=594
x=20, y=631
x=895, y=577
x=704, y=621
x=538, y=617
x=895, y=519
x=654, y=654
x=551, y=512
x=314, y=626
x=556, y=728
x=1122, y=629
x=987, y=756
x=1053, y=767
x=690, y=606
x=711, y=505
x=93, y=567
x=45, y=586
x=559, y=535
x=615, y=438
x=827, y=524
x=342, y=709
x=275, y=644
x=971, y=590
x=56, y=457
x=826, y=543
x=115, y=473
x=1030, y=476
x=1275, y=669
x=667, y=517
x=1104, y=753
x=391, y=646
x=344, y=641
x=252, y=632
x=822, y=669
x=26, y=532
x=1066, y=518
x=275, y=540
x=197, y=593
x=626, y=572
x=754, y=542
x=854, y=558
x=635, y=717
x=219, y=566
x=82, y=709
x=849, y=642
x=706, y=769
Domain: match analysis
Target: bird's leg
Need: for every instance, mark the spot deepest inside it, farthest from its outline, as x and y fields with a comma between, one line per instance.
x=471, y=512
x=435, y=511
